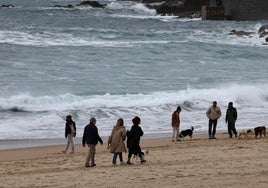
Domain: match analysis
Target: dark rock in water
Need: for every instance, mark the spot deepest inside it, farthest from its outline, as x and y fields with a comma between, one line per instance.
x=92, y=4
x=190, y=8
x=68, y=6
x=168, y=7
x=263, y=31
x=8, y=6
x=241, y=33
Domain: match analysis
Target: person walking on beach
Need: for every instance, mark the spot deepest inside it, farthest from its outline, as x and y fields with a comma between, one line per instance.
x=70, y=133
x=91, y=138
x=116, y=141
x=230, y=119
x=213, y=114
x=175, y=123
x=133, y=140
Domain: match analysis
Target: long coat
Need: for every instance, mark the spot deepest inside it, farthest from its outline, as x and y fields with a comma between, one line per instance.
x=175, y=119
x=133, y=139
x=117, y=139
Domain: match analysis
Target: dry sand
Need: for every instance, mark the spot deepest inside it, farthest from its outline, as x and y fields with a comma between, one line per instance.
x=199, y=162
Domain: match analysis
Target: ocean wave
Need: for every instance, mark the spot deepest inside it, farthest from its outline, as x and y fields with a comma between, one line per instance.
x=138, y=8
x=223, y=37
x=190, y=99
x=113, y=38
x=45, y=117
x=46, y=39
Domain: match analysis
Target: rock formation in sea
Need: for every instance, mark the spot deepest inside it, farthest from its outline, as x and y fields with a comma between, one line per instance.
x=94, y=4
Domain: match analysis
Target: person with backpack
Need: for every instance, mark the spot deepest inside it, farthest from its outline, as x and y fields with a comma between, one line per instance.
x=70, y=133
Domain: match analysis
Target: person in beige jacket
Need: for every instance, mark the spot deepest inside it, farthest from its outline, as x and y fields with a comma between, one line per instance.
x=213, y=114
x=116, y=142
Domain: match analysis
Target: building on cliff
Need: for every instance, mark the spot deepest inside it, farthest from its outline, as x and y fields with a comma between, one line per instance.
x=240, y=10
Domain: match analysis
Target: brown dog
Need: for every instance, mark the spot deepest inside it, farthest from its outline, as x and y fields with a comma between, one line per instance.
x=259, y=131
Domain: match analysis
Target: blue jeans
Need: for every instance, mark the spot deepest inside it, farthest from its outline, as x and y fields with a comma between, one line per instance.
x=212, y=124
x=115, y=157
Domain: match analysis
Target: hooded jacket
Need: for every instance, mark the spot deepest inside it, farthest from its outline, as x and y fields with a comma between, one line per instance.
x=231, y=114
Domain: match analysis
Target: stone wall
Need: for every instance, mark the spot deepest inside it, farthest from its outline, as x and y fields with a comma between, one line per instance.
x=246, y=9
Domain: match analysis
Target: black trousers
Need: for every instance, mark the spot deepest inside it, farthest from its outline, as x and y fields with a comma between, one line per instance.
x=231, y=129
x=134, y=151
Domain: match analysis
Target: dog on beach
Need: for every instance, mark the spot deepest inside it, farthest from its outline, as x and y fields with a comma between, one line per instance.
x=245, y=133
x=187, y=132
x=261, y=130
x=144, y=152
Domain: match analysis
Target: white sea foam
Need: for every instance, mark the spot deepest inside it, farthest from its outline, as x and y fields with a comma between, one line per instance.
x=41, y=117
x=223, y=37
x=59, y=39
x=109, y=38
x=242, y=94
x=138, y=8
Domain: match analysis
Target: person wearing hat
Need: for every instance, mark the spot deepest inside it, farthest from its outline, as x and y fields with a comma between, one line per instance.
x=133, y=140
x=230, y=119
x=70, y=133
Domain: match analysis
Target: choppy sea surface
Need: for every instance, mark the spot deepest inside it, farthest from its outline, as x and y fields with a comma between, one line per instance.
x=123, y=61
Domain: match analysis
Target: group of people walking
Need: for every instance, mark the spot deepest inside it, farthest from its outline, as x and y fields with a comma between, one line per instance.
x=116, y=141
x=119, y=134
x=213, y=113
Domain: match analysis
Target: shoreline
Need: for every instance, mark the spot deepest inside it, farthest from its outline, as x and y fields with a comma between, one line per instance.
x=200, y=162
x=29, y=143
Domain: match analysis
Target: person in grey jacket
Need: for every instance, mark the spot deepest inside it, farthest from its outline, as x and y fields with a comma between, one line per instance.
x=230, y=119
x=91, y=138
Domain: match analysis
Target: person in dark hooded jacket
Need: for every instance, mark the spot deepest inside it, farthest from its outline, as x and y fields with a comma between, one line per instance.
x=70, y=133
x=230, y=119
x=133, y=140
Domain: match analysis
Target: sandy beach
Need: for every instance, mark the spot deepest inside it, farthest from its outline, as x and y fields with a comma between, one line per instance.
x=199, y=162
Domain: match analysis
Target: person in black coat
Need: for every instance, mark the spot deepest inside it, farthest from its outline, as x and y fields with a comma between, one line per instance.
x=230, y=119
x=133, y=140
x=70, y=133
x=91, y=138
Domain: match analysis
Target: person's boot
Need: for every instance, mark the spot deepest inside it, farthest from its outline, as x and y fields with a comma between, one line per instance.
x=142, y=159
x=128, y=162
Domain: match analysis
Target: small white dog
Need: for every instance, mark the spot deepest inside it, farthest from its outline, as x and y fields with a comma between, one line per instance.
x=144, y=152
x=245, y=133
